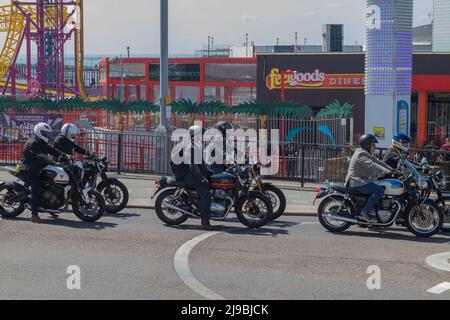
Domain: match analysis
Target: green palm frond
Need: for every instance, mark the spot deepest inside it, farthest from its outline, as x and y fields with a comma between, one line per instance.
x=335, y=110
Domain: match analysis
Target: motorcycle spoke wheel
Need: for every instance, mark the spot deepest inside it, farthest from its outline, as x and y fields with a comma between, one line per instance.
x=425, y=221
x=333, y=208
x=90, y=209
x=255, y=210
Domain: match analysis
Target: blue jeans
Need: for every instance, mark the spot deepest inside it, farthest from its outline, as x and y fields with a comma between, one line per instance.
x=375, y=192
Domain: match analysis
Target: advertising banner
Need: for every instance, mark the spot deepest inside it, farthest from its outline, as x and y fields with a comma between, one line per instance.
x=19, y=127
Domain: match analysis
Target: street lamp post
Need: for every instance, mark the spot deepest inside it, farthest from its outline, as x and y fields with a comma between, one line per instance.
x=128, y=51
x=162, y=133
x=164, y=63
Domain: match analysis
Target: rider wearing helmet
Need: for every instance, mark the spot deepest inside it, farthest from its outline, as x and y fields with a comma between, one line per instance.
x=197, y=175
x=226, y=146
x=363, y=166
x=65, y=141
x=400, y=144
x=34, y=159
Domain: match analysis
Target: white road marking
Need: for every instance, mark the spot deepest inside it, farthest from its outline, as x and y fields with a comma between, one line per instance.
x=439, y=261
x=441, y=288
x=181, y=263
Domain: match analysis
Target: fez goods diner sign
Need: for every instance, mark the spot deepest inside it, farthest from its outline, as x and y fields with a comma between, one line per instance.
x=294, y=79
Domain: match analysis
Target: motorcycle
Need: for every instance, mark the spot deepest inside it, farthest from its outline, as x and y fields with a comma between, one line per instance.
x=436, y=190
x=341, y=206
x=176, y=203
x=114, y=192
x=272, y=192
x=61, y=185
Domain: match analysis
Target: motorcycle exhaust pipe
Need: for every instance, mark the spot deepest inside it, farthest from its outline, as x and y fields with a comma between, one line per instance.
x=168, y=205
x=339, y=218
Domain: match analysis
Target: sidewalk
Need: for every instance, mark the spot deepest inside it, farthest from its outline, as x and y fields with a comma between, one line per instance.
x=141, y=188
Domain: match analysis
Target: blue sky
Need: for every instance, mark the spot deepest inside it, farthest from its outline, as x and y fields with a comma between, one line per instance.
x=112, y=25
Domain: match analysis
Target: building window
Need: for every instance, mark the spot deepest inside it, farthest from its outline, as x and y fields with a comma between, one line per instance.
x=222, y=72
x=438, y=117
x=131, y=71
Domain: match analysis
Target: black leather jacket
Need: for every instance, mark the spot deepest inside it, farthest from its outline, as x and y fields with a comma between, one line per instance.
x=35, y=155
x=65, y=145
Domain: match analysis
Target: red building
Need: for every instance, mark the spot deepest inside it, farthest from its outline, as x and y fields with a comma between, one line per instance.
x=231, y=80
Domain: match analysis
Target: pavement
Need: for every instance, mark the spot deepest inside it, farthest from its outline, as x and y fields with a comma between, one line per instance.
x=142, y=187
x=132, y=255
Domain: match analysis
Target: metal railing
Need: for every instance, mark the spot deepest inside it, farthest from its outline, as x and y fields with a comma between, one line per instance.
x=144, y=153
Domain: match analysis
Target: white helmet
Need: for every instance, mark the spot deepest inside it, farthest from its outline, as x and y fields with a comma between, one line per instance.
x=42, y=131
x=70, y=131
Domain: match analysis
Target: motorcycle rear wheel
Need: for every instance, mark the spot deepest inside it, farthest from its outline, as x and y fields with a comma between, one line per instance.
x=332, y=205
x=170, y=217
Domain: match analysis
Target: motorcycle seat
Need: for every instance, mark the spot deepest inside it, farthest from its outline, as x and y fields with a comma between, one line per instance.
x=339, y=187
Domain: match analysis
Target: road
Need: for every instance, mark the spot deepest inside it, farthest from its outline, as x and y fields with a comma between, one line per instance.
x=131, y=256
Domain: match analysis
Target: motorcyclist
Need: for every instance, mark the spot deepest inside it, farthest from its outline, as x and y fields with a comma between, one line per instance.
x=65, y=141
x=222, y=127
x=363, y=167
x=400, y=144
x=34, y=159
x=197, y=176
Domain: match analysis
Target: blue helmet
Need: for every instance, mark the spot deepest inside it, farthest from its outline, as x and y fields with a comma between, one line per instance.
x=401, y=141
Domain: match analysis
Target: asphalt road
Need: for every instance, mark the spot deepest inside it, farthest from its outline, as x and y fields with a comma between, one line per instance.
x=131, y=256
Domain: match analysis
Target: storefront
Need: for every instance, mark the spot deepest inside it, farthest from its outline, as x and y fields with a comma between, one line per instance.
x=318, y=79
x=230, y=80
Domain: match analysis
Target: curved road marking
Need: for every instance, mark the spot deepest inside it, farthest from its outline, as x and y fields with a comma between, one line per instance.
x=439, y=261
x=181, y=263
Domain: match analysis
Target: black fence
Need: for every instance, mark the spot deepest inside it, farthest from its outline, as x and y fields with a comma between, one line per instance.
x=150, y=154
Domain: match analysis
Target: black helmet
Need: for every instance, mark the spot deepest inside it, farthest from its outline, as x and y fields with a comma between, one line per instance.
x=223, y=126
x=366, y=141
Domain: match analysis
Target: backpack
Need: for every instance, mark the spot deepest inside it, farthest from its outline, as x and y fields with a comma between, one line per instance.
x=179, y=170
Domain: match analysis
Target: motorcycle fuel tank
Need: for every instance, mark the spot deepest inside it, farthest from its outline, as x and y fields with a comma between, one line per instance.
x=58, y=175
x=393, y=187
x=223, y=180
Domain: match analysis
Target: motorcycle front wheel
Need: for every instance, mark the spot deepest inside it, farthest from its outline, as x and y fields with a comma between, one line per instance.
x=424, y=219
x=118, y=199
x=170, y=217
x=278, y=200
x=91, y=211
x=254, y=210
x=10, y=209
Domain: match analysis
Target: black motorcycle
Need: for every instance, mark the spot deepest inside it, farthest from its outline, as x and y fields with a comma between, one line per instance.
x=176, y=203
x=61, y=186
x=113, y=191
x=437, y=190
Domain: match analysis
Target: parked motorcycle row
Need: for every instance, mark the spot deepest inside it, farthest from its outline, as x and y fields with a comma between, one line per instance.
x=414, y=197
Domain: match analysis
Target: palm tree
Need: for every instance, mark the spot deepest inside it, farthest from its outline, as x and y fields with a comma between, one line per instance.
x=264, y=111
x=335, y=110
x=192, y=109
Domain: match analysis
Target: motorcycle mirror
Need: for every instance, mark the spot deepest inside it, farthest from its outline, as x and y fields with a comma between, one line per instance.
x=424, y=161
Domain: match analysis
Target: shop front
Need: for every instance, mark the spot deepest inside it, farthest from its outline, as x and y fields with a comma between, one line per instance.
x=316, y=80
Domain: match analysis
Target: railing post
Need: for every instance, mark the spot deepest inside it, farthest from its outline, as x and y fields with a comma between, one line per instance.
x=119, y=153
x=303, y=165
